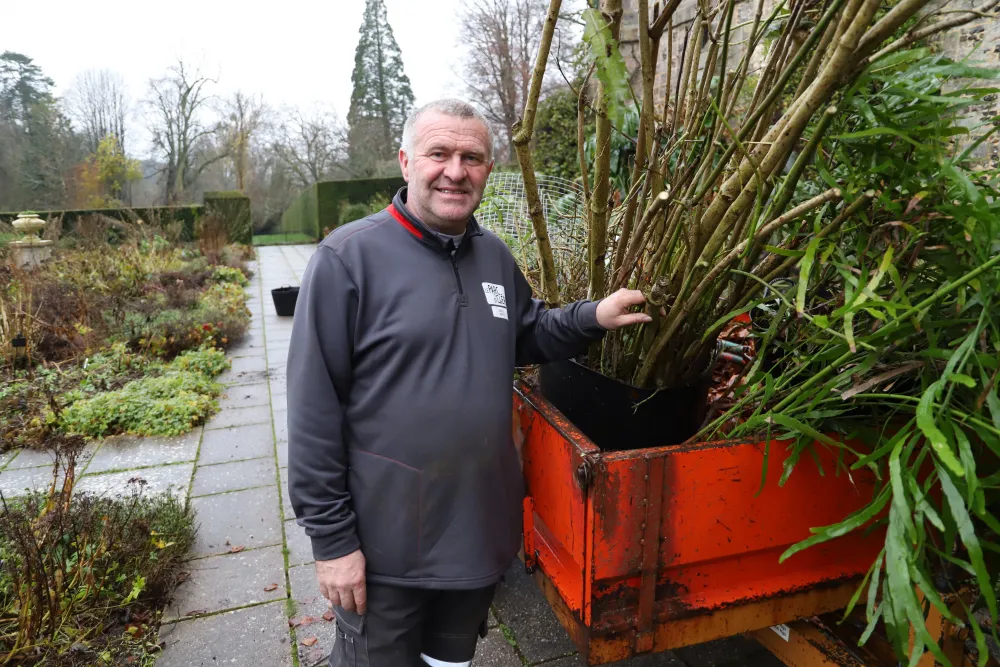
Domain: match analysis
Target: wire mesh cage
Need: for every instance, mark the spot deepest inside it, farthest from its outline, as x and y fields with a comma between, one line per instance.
x=504, y=211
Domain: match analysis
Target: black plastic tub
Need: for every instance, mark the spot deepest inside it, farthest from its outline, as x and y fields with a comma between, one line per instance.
x=284, y=300
x=619, y=416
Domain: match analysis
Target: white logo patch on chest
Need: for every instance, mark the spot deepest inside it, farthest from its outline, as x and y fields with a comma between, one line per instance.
x=496, y=296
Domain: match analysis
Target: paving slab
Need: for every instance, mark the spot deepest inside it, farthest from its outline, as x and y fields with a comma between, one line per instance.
x=281, y=425
x=21, y=481
x=308, y=602
x=245, y=396
x=299, y=545
x=256, y=414
x=233, y=476
x=251, y=345
x=233, y=580
x=283, y=454
x=237, y=443
x=248, y=364
x=31, y=458
x=232, y=378
x=254, y=636
x=522, y=608
x=495, y=651
x=174, y=479
x=279, y=388
x=128, y=452
x=241, y=518
x=5, y=457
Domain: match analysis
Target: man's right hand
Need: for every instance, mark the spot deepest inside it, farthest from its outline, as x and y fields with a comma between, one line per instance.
x=342, y=581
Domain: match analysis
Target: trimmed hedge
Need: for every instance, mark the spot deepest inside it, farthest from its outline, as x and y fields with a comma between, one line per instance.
x=235, y=207
x=318, y=207
x=188, y=215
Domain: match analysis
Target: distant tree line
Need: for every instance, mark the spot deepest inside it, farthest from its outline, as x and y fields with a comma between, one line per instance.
x=81, y=149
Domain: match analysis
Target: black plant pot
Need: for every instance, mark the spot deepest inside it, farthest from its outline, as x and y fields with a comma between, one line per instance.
x=618, y=416
x=284, y=300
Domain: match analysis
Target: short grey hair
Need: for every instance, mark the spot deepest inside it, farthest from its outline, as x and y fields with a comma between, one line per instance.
x=448, y=107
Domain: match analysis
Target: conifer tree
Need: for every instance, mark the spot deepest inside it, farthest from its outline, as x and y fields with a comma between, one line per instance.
x=382, y=95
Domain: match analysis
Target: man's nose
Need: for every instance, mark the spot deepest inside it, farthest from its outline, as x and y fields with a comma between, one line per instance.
x=455, y=170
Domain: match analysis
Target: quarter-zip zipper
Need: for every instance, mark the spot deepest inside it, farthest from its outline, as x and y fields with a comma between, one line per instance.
x=463, y=300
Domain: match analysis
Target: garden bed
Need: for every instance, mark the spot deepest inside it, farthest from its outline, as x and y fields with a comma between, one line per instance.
x=121, y=332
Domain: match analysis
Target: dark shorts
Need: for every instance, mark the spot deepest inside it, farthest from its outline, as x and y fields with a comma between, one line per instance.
x=402, y=623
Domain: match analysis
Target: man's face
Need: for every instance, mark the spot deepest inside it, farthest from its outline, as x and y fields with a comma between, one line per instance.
x=447, y=173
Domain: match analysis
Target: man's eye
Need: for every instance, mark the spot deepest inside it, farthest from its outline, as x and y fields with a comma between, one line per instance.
x=472, y=159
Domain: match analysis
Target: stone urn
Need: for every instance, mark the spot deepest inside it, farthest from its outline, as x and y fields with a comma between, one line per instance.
x=30, y=250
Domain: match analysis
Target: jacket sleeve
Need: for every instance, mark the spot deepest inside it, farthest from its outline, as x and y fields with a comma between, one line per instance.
x=545, y=334
x=319, y=379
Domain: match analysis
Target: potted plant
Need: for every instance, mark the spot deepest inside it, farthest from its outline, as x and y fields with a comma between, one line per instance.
x=739, y=179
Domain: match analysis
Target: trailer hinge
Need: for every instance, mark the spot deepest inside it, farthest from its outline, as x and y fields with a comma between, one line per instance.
x=584, y=475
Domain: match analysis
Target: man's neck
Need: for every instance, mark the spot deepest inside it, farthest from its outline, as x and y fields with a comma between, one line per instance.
x=440, y=226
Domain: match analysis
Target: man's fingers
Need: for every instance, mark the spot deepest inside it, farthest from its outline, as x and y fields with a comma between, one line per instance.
x=631, y=297
x=347, y=601
x=334, y=598
x=361, y=598
x=633, y=318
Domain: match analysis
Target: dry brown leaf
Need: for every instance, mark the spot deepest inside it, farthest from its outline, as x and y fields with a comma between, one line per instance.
x=270, y=587
x=309, y=641
x=328, y=616
x=197, y=612
x=236, y=550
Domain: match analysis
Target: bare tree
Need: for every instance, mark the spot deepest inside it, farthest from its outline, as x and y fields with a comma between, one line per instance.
x=502, y=39
x=312, y=145
x=245, y=116
x=99, y=104
x=181, y=134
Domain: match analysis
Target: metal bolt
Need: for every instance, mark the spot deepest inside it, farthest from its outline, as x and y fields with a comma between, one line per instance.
x=643, y=526
x=646, y=478
x=642, y=541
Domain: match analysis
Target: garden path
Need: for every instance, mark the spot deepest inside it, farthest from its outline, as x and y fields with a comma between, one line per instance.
x=251, y=575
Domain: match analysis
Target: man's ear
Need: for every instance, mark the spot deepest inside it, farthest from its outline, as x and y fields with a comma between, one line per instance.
x=489, y=170
x=404, y=165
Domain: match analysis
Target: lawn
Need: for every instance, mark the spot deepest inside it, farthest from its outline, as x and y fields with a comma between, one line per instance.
x=282, y=239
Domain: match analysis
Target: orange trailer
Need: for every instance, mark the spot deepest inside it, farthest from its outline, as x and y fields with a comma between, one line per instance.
x=649, y=550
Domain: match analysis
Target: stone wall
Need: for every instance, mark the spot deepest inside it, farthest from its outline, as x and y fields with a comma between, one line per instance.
x=981, y=39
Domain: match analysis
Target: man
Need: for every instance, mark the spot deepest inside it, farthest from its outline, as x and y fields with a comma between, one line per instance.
x=402, y=468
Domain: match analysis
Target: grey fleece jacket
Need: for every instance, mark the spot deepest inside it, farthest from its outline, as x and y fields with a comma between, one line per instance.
x=400, y=372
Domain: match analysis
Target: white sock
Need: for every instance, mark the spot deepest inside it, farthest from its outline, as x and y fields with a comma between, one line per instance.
x=434, y=662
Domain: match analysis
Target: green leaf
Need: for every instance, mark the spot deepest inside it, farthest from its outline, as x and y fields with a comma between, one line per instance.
x=852, y=522
x=967, y=532
x=876, y=131
x=805, y=267
x=963, y=380
x=928, y=425
x=611, y=69
x=994, y=404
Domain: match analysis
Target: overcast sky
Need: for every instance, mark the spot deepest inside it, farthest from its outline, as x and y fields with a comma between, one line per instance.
x=294, y=52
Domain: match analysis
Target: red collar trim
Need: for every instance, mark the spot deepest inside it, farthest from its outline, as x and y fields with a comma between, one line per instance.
x=403, y=221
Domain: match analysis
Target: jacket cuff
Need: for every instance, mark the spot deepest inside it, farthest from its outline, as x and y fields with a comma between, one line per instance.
x=330, y=547
x=588, y=320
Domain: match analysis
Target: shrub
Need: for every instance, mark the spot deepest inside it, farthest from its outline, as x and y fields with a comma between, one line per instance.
x=228, y=274
x=170, y=404
x=82, y=577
